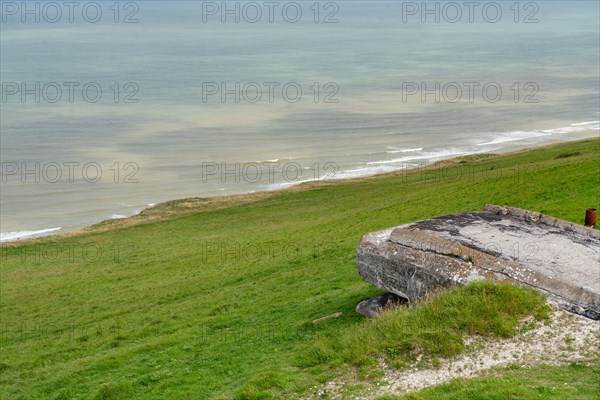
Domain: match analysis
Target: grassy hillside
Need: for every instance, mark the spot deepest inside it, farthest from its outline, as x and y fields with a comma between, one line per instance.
x=216, y=299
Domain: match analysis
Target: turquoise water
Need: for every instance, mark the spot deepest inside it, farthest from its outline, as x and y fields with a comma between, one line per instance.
x=178, y=141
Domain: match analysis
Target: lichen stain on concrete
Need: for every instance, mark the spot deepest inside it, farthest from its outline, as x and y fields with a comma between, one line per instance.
x=502, y=244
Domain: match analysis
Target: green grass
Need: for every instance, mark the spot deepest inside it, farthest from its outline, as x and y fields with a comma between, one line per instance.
x=216, y=301
x=435, y=327
x=573, y=382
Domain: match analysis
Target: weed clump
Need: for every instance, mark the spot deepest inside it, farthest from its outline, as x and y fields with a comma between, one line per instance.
x=433, y=328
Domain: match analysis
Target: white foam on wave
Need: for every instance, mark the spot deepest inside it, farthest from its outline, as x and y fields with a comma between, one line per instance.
x=597, y=123
x=432, y=156
x=363, y=172
x=268, y=161
x=395, y=150
x=349, y=174
x=117, y=216
x=11, y=236
x=514, y=136
x=283, y=185
x=573, y=128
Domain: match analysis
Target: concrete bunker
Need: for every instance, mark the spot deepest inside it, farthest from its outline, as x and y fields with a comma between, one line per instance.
x=503, y=244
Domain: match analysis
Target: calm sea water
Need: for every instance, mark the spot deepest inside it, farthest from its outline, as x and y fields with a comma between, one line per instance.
x=168, y=125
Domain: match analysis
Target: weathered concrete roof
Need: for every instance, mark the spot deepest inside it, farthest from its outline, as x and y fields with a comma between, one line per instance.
x=555, y=257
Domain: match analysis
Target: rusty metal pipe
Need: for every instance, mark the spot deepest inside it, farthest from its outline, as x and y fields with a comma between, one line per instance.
x=590, y=217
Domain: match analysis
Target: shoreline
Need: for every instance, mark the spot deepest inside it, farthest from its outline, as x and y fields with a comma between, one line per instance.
x=170, y=208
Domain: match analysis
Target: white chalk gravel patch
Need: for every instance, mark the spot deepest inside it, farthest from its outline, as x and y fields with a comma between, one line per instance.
x=566, y=338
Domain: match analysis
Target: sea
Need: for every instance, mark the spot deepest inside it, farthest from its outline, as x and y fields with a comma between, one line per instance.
x=108, y=108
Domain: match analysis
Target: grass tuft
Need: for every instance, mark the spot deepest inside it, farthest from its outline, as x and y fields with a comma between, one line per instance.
x=567, y=155
x=110, y=390
x=433, y=328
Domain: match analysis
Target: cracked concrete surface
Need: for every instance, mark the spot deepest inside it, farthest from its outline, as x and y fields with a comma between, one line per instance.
x=555, y=257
